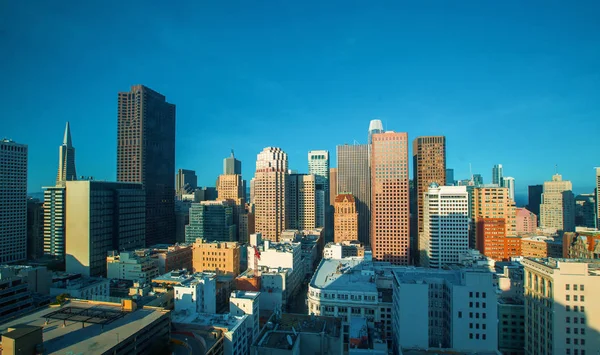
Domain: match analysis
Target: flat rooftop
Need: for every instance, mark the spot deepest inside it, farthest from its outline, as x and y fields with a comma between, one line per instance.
x=208, y=320
x=63, y=331
x=348, y=274
x=592, y=265
x=249, y=295
x=310, y=324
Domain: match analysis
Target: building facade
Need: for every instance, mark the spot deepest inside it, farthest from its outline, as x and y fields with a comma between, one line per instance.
x=390, y=230
x=232, y=166
x=450, y=177
x=492, y=202
x=509, y=183
x=13, y=201
x=35, y=229
x=345, y=218
x=557, y=210
x=445, y=233
x=186, y=182
x=218, y=257
x=526, y=221
x=136, y=266
x=172, y=257
x=585, y=210
x=541, y=247
x=212, y=221
x=270, y=192
x=318, y=165
x=301, y=201
x=493, y=242
x=55, y=200
x=146, y=154
x=497, y=177
x=534, y=195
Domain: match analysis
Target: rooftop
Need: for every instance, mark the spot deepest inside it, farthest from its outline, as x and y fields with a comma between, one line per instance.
x=249, y=295
x=591, y=265
x=206, y=321
x=75, y=281
x=345, y=274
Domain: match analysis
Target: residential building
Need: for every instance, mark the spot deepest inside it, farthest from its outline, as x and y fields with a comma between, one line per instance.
x=585, y=214
x=212, y=221
x=66, y=159
x=103, y=216
x=526, y=221
x=429, y=166
x=541, y=247
x=171, y=257
x=35, y=229
x=79, y=287
x=196, y=294
x=186, y=182
x=450, y=177
x=13, y=201
x=535, y=198
x=55, y=204
x=509, y=183
x=344, y=249
x=497, y=177
x=136, y=266
x=301, y=201
x=247, y=303
x=146, y=155
x=493, y=242
x=445, y=234
x=445, y=308
x=345, y=218
x=219, y=257
x=318, y=165
x=232, y=166
x=561, y=312
x=88, y=327
x=354, y=176
x=390, y=231
x=270, y=192
x=557, y=210
x=375, y=126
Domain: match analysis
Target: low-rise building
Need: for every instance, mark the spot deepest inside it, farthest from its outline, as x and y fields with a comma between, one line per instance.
x=79, y=287
x=343, y=249
x=244, y=302
x=172, y=257
x=526, y=222
x=15, y=296
x=541, y=247
x=582, y=245
x=196, y=294
x=248, y=280
x=135, y=266
x=218, y=257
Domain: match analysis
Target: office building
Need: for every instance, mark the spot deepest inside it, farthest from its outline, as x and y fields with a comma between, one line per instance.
x=511, y=325
x=541, y=247
x=493, y=202
x=13, y=201
x=492, y=241
x=509, y=183
x=557, y=210
x=345, y=218
x=445, y=233
x=146, y=154
x=136, y=266
x=345, y=249
x=171, y=257
x=561, y=312
x=354, y=176
x=182, y=219
x=375, y=126
x=429, y=164
x=78, y=287
x=585, y=210
x=535, y=198
x=186, y=182
x=230, y=187
x=55, y=201
x=318, y=165
x=497, y=177
x=35, y=229
x=270, y=192
x=333, y=182
x=212, y=221
x=450, y=177
x=526, y=222
x=218, y=257
x=232, y=166
x=390, y=231
x=301, y=201
x=103, y=216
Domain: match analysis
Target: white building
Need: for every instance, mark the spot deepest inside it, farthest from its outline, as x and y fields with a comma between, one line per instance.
x=13, y=201
x=274, y=289
x=247, y=303
x=445, y=308
x=509, y=182
x=197, y=294
x=85, y=288
x=562, y=315
x=130, y=265
x=445, y=233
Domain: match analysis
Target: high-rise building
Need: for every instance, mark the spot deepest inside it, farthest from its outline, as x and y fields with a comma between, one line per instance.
x=13, y=201
x=318, y=165
x=270, y=192
x=562, y=315
x=535, y=198
x=102, y=216
x=445, y=233
x=526, y=222
x=232, y=166
x=597, y=197
x=353, y=175
x=301, y=201
x=450, y=177
x=390, y=230
x=66, y=159
x=146, y=154
x=35, y=228
x=477, y=180
x=345, y=218
x=55, y=200
x=497, y=175
x=333, y=181
x=186, y=182
x=375, y=126
x=429, y=164
x=509, y=183
x=585, y=214
x=493, y=242
x=230, y=187
x=557, y=210
x=211, y=221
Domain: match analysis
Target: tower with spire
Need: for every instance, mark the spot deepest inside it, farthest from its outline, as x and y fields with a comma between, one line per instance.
x=231, y=165
x=66, y=159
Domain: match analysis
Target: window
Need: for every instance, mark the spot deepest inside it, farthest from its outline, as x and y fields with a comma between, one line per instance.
x=568, y=308
x=575, y=298
x=470, y=325
x=459, y=314
x=567, y=287
x=470, y=335
x=483, y=336
x=568, y=319
x=569, y=330
x=483, y=294
x=568, y=298
x=568, y=340
x=582, y=308
x=581, y=288
x=574, y=287
x=582, y=298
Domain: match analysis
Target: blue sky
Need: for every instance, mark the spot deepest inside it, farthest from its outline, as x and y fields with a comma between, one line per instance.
x=511, y=82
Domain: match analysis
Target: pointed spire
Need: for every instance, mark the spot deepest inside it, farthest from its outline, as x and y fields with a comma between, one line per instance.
x=67, y=138
x=232, y=153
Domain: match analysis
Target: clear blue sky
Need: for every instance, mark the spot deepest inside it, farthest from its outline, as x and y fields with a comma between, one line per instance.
x=511, y=82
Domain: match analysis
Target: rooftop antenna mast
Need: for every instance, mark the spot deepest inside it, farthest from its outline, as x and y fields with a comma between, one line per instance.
x=471, y=173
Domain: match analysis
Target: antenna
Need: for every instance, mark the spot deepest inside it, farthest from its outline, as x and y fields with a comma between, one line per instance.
x=471, y=172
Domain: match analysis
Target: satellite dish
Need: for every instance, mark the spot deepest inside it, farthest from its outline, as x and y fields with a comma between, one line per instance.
x=289, y=339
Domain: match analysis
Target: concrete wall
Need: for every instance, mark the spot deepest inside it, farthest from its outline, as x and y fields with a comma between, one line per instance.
x=77, y=228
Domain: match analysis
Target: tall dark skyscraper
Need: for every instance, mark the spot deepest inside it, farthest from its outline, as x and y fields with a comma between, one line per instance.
x=186, y=182
x=146, y=154
x=232, y=166
x=535, y=198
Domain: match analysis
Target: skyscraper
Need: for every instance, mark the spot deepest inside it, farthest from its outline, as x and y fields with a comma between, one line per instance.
x=390, y=230
x=346, y=218
x=301, y=201
x=270, y=191
x=354, y=177
x=211, y=221
x=318, y=165
x=375, y=126
x=35, y=228
x=445, y=233
x=66, y=159
x=509, y=183
x=146, y=154
x=535, y=198
x=231, y=165
x=429, y=164
x=557, y=210
x=585, y=215
x=55, y=204
x=450, y=177
x=497, y=174
x=333, y=182
x=13, y=201
x=477, y=180
x=186, y=182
